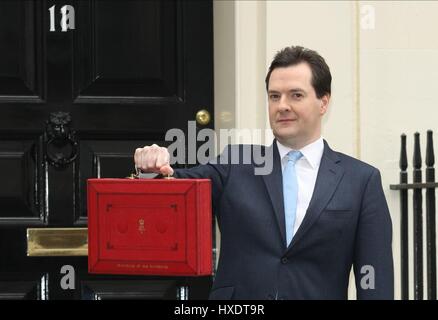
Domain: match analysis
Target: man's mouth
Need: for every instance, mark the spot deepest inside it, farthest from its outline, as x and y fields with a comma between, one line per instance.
x=285, y=120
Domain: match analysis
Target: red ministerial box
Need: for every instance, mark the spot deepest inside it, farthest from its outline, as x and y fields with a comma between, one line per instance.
x=150, y=226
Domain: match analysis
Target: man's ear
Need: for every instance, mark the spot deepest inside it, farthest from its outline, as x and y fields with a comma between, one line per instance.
x=325, y=99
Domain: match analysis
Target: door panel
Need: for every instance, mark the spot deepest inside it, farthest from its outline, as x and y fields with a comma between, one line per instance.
x=129, y=289
x=150, y=73
x=19, y=287
x=21, y=78
x=21, y=194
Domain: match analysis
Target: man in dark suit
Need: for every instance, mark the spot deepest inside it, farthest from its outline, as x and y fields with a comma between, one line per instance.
x=295, y=232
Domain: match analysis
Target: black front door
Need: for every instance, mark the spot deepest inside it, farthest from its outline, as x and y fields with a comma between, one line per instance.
x=82, y=84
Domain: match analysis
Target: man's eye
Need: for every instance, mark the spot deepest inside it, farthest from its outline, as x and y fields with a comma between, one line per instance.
x=297, y=95
x=274, y=97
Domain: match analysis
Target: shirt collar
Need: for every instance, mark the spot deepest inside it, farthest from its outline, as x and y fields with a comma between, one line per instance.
x=311, y=152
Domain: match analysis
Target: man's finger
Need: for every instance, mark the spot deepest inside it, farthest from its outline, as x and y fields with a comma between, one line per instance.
x=137, y=157
x=151, y=159
x=163, y=158
x=166, y=170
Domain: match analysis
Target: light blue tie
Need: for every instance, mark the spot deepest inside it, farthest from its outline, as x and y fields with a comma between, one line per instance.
x=290, y=193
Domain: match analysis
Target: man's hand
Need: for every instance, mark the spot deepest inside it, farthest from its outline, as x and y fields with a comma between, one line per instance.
x=153, y=159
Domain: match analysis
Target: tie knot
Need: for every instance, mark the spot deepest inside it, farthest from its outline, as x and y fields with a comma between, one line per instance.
x=294, y=156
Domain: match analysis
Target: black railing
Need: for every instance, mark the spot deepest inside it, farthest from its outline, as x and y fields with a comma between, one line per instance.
x=418, y=186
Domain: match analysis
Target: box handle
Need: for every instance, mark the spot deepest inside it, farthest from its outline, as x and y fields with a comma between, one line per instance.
x=136, y=175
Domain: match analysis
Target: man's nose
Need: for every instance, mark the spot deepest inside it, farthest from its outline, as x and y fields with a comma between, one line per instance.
x=284, y=105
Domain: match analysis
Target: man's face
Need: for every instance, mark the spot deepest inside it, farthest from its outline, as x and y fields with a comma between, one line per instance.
x=295, y=112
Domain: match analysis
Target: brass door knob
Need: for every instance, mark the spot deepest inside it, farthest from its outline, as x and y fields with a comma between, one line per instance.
x=203, y=117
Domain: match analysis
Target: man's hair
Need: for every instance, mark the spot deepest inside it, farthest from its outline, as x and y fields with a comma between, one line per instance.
x=290, y=56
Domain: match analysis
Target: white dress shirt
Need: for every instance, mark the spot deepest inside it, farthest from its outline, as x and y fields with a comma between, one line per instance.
x=307, y=170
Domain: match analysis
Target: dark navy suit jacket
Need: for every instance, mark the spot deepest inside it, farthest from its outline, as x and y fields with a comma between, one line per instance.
x=347, y=224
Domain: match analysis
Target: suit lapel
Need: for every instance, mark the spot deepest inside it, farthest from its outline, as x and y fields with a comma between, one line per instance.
x=329, y=175
x=274, y=185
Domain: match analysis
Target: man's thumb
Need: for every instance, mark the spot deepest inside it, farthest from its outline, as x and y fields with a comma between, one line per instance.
x=166, y=170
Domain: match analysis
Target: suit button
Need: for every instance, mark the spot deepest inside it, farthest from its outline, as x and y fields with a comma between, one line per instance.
x=284, y=260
